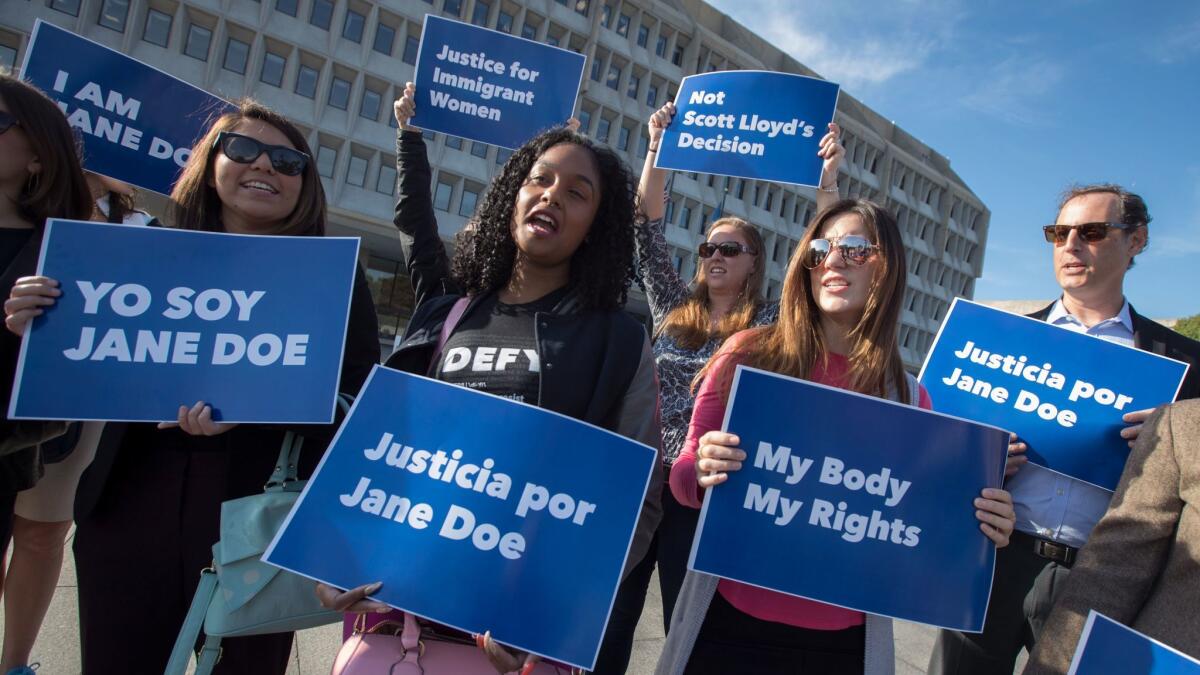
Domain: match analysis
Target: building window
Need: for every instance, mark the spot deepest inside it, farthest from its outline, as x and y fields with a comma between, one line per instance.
x=352, y=28
x=614, y=77
x=198, y=39
x=583, y=6
x=634, y=83
x=453, y=7
x=356, y=173
x=385, y=37
x=339, y=93
x=321, y=15
x=652, y=95
x=504, y=22
x=552, y=40
x=479, y=149
x=289, y=7
x=643, y=145
x=597, y=67
x=470, y=196
x=529, y=31
x=660, y=46
x=272, y=69
x=236, y=53
x=602, y=129
x=158, y=28
x=411, y=45
x=66, y=6
x=643, y=35
x=606, y=15
x=623, y=138
x=502, y=155
x=441, y=195
x=326, y=159
x=113, y=14
x=8, y=59
x=392, y=293
x=372, y=101
x=585, y=121
x=677, y=56
x=623, y=25
x=306, y=81
x=454, y=142
x=480, y=14
x=685, y=216
x=386, y=182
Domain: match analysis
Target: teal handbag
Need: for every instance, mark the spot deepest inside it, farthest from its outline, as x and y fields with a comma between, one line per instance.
x=240, y=594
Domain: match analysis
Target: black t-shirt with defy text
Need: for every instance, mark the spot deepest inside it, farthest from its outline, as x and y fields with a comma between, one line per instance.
x=494, y=350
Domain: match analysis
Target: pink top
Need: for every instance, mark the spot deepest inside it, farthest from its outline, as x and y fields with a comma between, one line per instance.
x=707, y=415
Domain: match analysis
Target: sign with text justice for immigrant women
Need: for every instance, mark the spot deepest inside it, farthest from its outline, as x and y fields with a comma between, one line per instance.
x=474, y=511
x=153, y=318
x=1109, y=648
x=749, y=123
x=489, y=86
x=138, y=123
x=852, y=500
x=1063, y=393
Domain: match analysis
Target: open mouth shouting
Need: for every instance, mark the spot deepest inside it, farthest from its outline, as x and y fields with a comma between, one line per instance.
x=542, y=223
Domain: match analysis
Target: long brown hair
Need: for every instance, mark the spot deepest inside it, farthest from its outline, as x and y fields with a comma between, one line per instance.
x=58, y=190
x=195, y=203
x=794, y=345
x=690, y=324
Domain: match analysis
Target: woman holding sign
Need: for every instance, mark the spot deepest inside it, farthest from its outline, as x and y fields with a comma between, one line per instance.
x=540, y=274
x=148, y=508
x=837, y=325
x=691, y=321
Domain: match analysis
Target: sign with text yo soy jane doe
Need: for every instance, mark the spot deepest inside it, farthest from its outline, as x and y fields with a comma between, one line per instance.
x=153, y=318
x=474, y=511
x=138, y=123
x=750, y=123
x=1110, y=648
x=485, y=85
x=1063, y=393
x=852, y=500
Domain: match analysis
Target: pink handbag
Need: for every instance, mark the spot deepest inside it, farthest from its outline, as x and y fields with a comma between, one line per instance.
x=388, y=648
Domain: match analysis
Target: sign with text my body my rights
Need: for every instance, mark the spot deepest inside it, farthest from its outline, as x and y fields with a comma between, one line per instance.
x=1063, y=393
x=153, y=318
x=474, y=511
x=138, y=123
x=485, y=85
x=750, y=123
x=854, y=501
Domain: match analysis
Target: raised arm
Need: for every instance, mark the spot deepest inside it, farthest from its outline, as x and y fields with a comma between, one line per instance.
x=832, y=152
x=665, y=290
x=424, y=254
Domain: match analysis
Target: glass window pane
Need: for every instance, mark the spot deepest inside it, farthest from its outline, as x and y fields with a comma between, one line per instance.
x=454, y=142
x=66, y=6
x=585, y=121
x=643, y=35
x=623, y=138
x=272, y=69
x=411, y=45
x=386, y=182
x=321, y=15
x=529, y=32
x=352, y=29
x=306, y=81
x=660, y=47
x=371, y=102
x=652, y=95
x=480, y=14
x=236, y=53
x=339, y=93
x=623, y=25
x=326, y=158
x=158, y=28
x=356, y=173
x=582, y=6
x=602, y=129
x=113, y=14
x=289, y=7
x=504, y=22
x=8, y=59
x=453, y=7
x=385, y=37
x=634, y=83
x=502, y=155
x=469, y=198
x=479, y=149
x=614, y=77
x=441, y=196
x=198, y=39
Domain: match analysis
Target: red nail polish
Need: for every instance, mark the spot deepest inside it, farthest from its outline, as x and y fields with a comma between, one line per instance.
x=527, y=668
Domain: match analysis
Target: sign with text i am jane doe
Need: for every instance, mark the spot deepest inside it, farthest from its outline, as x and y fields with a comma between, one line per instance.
x=153, y=318
x=1109, y=648
x=489, y=86
x=750, y=123
x=474, y=511
x=851, y=500
x=138, y=123
x=1063, y=393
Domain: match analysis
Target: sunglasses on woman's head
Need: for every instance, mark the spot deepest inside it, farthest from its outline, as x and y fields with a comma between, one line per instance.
x=244, y=150
x=7, y=121
x=729, y=249
x=855, y=250
x=1089, y=232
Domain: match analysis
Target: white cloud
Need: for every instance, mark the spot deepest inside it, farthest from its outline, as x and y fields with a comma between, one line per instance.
x=1180, y=43
x=1012, y=90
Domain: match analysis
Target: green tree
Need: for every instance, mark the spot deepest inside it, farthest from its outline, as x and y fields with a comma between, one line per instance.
x=1189, y=326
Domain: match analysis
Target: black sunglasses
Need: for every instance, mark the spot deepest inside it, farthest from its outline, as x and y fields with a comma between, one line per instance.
x=855, y=250
x=729, y=249
x=7, y=121
x=244, y=150
x=1090, y=232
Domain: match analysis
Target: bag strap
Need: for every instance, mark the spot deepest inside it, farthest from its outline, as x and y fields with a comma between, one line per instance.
x=456, y=313
x=285, y=464
x=185, y=643
x=209, y=654
x=411, y=639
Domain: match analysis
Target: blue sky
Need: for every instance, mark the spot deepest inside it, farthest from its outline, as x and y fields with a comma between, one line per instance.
x=1026, y=98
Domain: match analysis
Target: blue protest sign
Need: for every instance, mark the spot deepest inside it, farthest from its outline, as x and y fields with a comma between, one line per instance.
x=1062, y=392
x=489, y=86
x=1109, y=648
x=750, y=123
x=153, y=318
x=138, y=123
x=851, y=500
x=474, y=511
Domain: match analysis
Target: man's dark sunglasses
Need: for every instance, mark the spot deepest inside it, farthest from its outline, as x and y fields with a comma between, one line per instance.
x=7, y=121
x=729, y=249
x=244, y=150
x=1089, y=232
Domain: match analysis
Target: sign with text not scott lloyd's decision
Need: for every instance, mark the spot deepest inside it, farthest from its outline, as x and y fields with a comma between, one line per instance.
x=485, y=85
x=1063, y=393
x=138, y=123
x=1109, y=648
x=851, y=500
x=153, y=318
x=750, y=123
x=474, y=511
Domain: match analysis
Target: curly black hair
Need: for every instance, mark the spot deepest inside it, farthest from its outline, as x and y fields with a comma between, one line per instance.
x=601, y=268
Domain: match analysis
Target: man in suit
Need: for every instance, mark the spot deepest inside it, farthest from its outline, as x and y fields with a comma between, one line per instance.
x=1142, y=562
x=1099, y=231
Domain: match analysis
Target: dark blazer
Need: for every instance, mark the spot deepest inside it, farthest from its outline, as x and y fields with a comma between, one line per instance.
x=1157, y=338
x=22, y=469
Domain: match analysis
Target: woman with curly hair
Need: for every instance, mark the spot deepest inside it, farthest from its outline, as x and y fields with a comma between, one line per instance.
x=530, y=308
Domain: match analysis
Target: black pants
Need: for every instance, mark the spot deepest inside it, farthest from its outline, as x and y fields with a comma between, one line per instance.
x=731, y=641
x=1024, y=589
x=669, y=548
x=8, y=502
